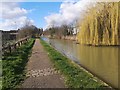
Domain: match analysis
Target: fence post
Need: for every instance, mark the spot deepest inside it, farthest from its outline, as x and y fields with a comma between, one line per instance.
x=21, y=42
x=15, y=46
x=18, y=44
x=9, y=48
x=1, y=45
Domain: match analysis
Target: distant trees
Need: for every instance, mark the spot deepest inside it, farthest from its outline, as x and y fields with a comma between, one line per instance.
x=100, y=25
x=64, y=30
x=31, y=31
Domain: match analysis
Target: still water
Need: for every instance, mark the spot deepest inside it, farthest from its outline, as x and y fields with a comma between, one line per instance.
x=101, y=61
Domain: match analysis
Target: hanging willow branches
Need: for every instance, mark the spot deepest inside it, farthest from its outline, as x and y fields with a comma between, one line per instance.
x=101, y=25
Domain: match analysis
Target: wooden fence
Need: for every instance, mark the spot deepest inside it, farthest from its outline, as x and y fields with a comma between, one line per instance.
x=11, y=47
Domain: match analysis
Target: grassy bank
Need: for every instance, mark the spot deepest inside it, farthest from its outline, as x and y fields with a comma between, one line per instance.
x=0, y=83
x=75, y=76
x=14, y=64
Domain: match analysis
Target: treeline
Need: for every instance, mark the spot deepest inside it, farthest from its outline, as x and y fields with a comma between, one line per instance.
x=58, y=32
x=12, y=36
x=101, y=25
x=29, y=30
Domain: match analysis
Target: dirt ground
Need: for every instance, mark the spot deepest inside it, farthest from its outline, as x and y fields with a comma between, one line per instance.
x=40, y=70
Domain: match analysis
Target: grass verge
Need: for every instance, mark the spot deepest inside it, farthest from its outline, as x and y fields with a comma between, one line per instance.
x=75, y=76
x=0, y=83
x=14, y=65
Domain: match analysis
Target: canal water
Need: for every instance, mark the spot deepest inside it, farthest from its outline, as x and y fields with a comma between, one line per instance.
x=101, y=61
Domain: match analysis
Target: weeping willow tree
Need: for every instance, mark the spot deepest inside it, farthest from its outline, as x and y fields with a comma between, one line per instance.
x=101, y=25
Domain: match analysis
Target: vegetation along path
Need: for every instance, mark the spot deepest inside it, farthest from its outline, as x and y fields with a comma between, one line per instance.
x=40, y=70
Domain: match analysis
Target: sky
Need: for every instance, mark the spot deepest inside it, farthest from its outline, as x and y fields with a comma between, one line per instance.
x=39, y=10
x=15, y=15
x=42, y=14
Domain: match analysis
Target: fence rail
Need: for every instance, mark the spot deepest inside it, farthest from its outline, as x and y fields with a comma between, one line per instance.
x=13, y=46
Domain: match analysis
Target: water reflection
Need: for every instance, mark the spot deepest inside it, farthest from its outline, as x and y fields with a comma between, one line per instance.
x=102, y=61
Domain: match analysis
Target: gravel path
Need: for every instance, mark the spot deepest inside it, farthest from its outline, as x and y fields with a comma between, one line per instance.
x=40, y=70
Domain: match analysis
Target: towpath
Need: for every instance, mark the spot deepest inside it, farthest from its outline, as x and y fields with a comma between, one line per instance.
x=40, y=70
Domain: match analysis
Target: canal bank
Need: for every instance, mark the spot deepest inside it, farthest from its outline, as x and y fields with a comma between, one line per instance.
x=74, y=75
x=72, y=37
x=100, y=61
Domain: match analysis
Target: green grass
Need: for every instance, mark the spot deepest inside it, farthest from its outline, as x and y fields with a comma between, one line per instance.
x=75, y=76
x=0, y=83
x=14, y=65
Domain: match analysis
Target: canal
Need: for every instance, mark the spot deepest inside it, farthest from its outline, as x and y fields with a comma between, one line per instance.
x=100, y=61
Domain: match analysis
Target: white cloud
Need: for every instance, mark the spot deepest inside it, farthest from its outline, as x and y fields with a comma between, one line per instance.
x=13, y=17
x=9, y=24
x=69, y=13
x=10, y=10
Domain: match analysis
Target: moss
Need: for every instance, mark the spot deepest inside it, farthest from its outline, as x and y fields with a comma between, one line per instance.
x=75, y=76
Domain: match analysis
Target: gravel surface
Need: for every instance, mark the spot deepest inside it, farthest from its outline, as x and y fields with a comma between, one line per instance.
x=40, y=70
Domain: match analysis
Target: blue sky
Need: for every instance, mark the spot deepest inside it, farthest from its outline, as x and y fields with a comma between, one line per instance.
x=42, y=14
x=39, y=10
x=14, y=15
